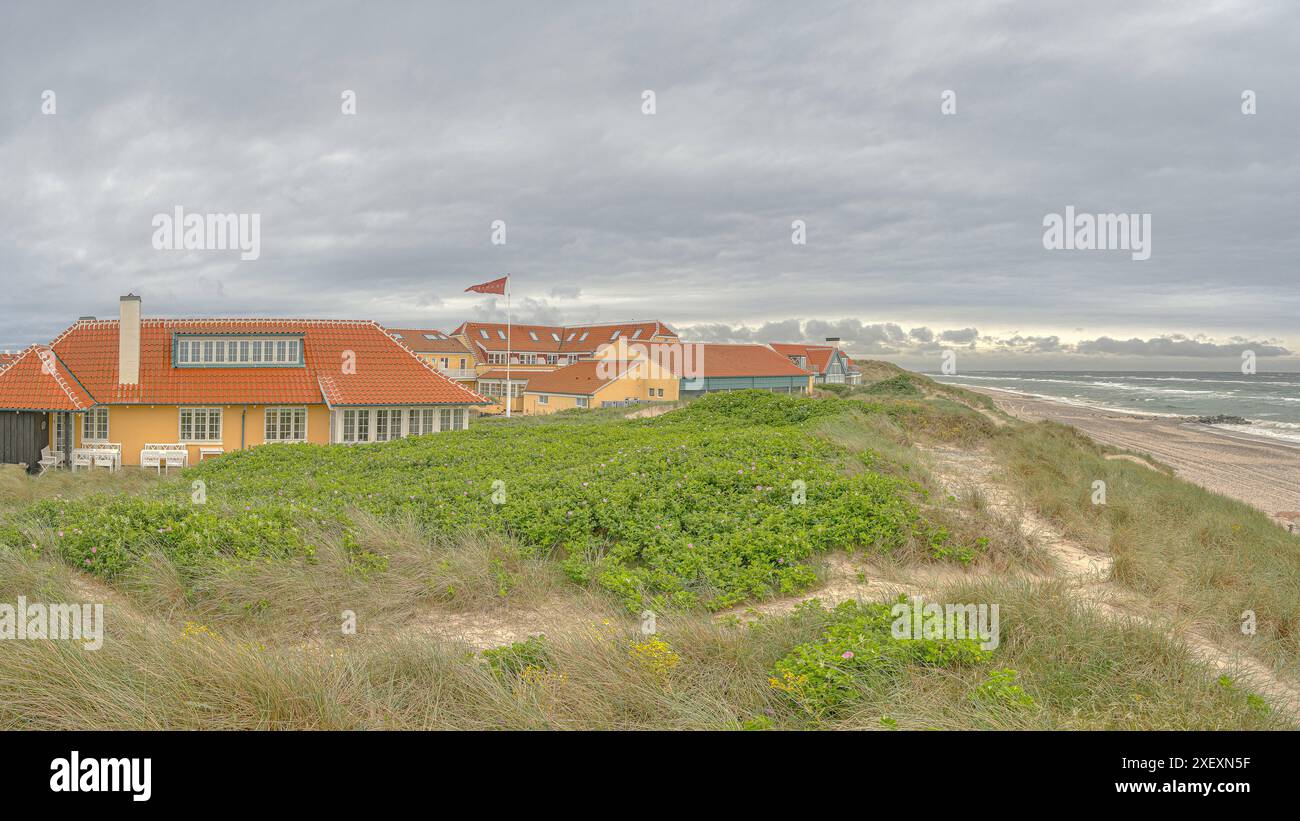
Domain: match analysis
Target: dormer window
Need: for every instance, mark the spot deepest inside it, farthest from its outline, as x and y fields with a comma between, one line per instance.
x=195, y=351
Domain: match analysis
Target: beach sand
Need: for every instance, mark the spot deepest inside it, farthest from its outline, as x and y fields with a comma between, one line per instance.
x=1261, y=472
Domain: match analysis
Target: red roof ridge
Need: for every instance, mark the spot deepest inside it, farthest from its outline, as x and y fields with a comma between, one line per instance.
x=431, y=369
x=51, y=365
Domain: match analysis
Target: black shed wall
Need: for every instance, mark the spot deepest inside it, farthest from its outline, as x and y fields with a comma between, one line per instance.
x=22, y=435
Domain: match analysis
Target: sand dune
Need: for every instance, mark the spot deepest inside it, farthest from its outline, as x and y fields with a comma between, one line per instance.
x=1263, y=473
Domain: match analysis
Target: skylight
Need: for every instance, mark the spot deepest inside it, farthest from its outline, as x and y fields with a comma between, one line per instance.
x=483, y=332
x=501, y=334
x=614, y=335
x=532, y=335
x=637, y=335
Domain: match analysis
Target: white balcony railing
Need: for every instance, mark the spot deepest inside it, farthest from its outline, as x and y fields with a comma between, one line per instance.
x=459, y=373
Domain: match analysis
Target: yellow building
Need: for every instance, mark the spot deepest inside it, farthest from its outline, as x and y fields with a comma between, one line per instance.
x=213, y=386
x=596, y=383
x=532, y=350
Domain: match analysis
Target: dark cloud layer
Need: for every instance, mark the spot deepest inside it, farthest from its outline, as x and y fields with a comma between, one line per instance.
x=920, y=227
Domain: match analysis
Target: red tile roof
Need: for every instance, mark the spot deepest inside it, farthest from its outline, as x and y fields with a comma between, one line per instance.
x=581, y=378
x=37, y=380
x=556, y=338
x=385, y=373
x=419, y=341
x=818, y=356
x=516, y=374
x=721, y=360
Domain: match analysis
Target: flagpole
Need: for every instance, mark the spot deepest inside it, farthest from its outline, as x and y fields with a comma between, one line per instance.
x=509, y=386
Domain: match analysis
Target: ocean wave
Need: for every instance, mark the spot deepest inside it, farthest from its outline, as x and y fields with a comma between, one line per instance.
x=1289, y=434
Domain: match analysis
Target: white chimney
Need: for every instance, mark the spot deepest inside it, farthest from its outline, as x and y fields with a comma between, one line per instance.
x=128, y=341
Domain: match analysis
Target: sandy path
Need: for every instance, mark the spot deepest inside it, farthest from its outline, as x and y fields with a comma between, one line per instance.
x=1088, y=576
x=1260, y=472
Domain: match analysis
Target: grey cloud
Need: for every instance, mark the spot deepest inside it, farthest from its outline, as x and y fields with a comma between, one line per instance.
x=467, y=113
x=960, y=336
x=1179, y=345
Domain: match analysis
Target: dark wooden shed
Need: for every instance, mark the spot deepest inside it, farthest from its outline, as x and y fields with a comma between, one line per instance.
x=22, y=435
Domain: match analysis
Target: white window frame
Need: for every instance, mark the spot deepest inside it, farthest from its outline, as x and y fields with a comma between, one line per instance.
x=400, y=421
x=543, y=399
x=88, y=426
x=236, y=351
x=58, y=431
x=277, y=412
x=582, y=401
x=209, y=409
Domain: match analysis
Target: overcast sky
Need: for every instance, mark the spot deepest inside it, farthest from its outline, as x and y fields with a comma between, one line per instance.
x=924, y=229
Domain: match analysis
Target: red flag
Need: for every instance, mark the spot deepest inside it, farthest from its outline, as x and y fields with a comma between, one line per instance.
x=496, y=286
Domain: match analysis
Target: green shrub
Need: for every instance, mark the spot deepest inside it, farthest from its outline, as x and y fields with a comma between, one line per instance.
x=513, y=659
x=858, y=652
x=1001, y=689
x=900, y=385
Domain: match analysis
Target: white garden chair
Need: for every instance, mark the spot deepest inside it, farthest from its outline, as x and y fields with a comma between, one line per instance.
x=50, y=458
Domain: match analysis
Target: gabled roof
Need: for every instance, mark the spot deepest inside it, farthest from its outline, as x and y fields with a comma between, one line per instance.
x=490, y=336
x=581, y=378
x=385, y=372
x=36, y=380
x=818, y=356
x=428, y=341
x=720, y=360
x=516, y=375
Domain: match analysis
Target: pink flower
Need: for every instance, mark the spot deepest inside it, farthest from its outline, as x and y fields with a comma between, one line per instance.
x=691, y=545
x=848, y=654
x=87, y=561
x=94, y=550
x=60, y=534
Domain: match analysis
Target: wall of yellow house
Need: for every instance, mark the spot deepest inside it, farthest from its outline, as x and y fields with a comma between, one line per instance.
x=554, y=403
x=454, y=360
x=629, y=386
x=134, y=426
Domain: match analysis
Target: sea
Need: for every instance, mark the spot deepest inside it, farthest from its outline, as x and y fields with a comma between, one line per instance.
x=1270, y=402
